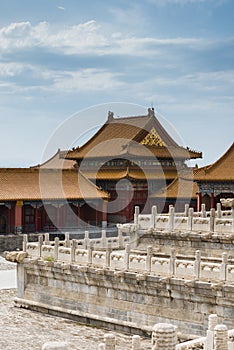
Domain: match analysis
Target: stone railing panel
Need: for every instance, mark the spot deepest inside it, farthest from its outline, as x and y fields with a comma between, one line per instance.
x=210, y=271
x=81, y=256
x=181, y=223
x=223, y=225
x=230, y=273
x=137, y=262
x=32, y=250
x=64, y=254
x=162, y=222
x=145, y=221
x=160, y=266
x=47, y=251
x=184, y=269
x=117, y=260
x=98, y=258
x=113, y=241
x=201, y=224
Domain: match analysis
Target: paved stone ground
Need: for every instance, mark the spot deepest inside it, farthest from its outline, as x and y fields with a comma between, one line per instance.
x=6, y=265
x=22, y=329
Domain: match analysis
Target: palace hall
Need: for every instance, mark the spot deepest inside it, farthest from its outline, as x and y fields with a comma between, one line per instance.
x=130, y=161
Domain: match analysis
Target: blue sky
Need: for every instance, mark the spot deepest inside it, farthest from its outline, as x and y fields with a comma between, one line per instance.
x=60, y=57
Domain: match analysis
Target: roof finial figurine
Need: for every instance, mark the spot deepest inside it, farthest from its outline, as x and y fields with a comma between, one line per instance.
x=151, y=112
x=110, y=116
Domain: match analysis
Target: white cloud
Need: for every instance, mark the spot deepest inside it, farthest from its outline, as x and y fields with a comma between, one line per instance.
x=87, y=80
x=199, y=81
x=91, y=79
x=61, y=8
x=84, y=38
x=10, y=69
x=74, y=39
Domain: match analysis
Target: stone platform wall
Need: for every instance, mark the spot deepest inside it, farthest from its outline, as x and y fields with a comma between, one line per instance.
x=186, y=243
x=122, y=300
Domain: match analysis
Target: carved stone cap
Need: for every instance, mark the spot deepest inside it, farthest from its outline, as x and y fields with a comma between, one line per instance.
x=227, y=202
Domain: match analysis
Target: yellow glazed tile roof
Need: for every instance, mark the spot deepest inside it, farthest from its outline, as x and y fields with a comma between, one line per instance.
x=114, y=138
x=221, y=170
x=35, y=184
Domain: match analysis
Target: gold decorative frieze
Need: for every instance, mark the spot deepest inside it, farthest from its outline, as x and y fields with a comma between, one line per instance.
x=153, y=139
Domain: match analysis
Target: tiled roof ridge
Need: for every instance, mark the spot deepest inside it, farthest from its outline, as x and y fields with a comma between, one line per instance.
x=35, y=170
x=19, y=169
x=47, y=161
x=92, y=184
x=146, y=116
x=206, y=169
x=219, y=160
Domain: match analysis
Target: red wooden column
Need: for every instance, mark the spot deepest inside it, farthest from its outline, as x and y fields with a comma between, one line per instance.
x=18, y=216
x=199, y=201
x=96, y=215
x=9, y=221
x=58, y=214
x=10, y=218
x=104, y=213
x=78, y=215
x=128, y=206
x=36, y=218
x=212, y=202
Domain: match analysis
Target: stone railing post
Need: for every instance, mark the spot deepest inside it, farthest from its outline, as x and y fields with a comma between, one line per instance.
x=203, y=210
x=172, y=262
x=103, y=239
x=136, y=342
x=120, y=238
x=126, y=257
x=212, y=220
x=154, y=216
x=197, y=264
x=186, y=209
x=171, y=221
x=212, y=323
x=219, y=210
x=164, y=337
x=25, y=241
x=74, y=245
x=56, y=246
x=67, y=242
x=110, y=341
x=90, y=253
x=223, y=270
x=86, y=239
x=40, y=243
x=136, y=214
x=148, y=258
x=47, y=239
x=190, y=219
x=108, y=254
x=221, y=337
x=55, y=346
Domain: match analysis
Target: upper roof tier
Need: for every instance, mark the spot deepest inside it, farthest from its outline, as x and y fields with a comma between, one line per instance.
x=221, y=170
x=124, y=136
